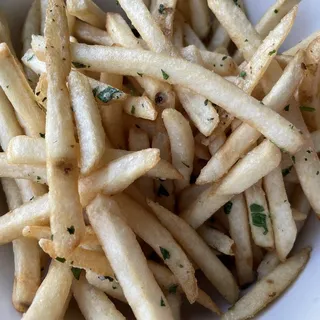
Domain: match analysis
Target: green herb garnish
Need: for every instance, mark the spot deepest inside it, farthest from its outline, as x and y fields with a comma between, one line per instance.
x=133, y=110
x=164, y=75
x=286, y=108
x=162, y=9
x=272, y=52
x=224, y=58
x=286, y=171
x=243, y=74
x=30, y=58
x=140, y=74
x=78, y=65
x=162, y=304
x=173, y=288
x=308, y=109
x=227, y=207
x=259, y=219
x=106, y=94
x=76, y=272
x=62, y=260
x=206, y=102
x=165, y=253
x=71, y=230
x=276, y=11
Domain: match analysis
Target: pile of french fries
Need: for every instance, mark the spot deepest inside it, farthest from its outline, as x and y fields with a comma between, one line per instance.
x=137, y=153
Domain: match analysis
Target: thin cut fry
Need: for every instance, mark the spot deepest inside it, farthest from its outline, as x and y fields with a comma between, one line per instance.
x=284, y=227
x=200, y=18
x=52, y=294
x=182, y=144
x=90, y=131
x=240, y=233
x=90, y=34
x=132, y=272
x=140, y=107
x=268, y=264
x=117, y=175
x=260, y=161
x=13, y=81
x=268, y=288
x=152, y=232
x=62, y=166
x=191, y=38
x=87, y=11
x=217, y=240
x=214, y=270
x=302, y=45
x=93, y=303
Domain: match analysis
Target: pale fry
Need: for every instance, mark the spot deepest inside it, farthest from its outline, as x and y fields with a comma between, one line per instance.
x=315, y=136
x=140, y=107
x=26, y=150
x=117, y=175
x=152, y=232
x=36, y=173
x=87, y=11
x=52, y=294
x=132, y=272
x=93, y=303
x=240, y=233
x=262, y=233
x=306, y=161
x=5, y=32
x=269, y=287
x=268, y=264
x=260, y=161
x=284, y=227
x=244, y=137
x=62, y=166
x=217, y=240
x=200, y=18
x=191, y=38
x=88, y=121
x=91, y=34
x=302, y=45
x=182, y=144
x=192, y=243
x=16, y=87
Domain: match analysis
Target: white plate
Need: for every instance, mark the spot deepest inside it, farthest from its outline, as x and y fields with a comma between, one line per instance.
x=302, y=300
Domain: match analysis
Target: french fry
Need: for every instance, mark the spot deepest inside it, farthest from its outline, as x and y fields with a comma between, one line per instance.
x=217, y=240
x=262, y=233
x=217, y=143
x=305, y=161
x=112, y=122
x=277, y=99
x=106, y=284
x=302, y=45
x=5, y=32
x=35, y=212
x=190, y=194
x=140, y=107
x=36, y=173
x=90, y=131
x=269, y=287
x=217, y=195
x=117, y=175
x=133, y=273
x=139, y=140
x=152, y=232
x=163, y=13
x=285, y=230
x=268, y=264
x=177, y=37
x=87, y=11
x=43, y=9
x=62, y=167
x=238, y=220
x=191, y=38
x=52, y=294
x=90, y=34
x=16, y=88
x=298, y=216
x=174, y=301
x=31, y=26
x=200, y=18
x=30, y=60
x=182, y=144
x=220, y=37
x=214, y=270
x=169, y=283
x=93, y=303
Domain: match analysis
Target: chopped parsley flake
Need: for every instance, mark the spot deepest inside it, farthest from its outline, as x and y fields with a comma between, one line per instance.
x=259, y=219
x=227, y=207
x=31, y=198
x=308, y=109
x=286, y=171
x=173, y=288
x=162, y=9
x=76, y=272
x=133, y=110
x=164, y=75
x=140, y=74
x=165, y=253
x=243, y=74
x=286, y=108
x=276, y=11
x=106, y=94
x=206, y=102
x=224, y=58
x=272, y=52
x=317, y=173
x=62, y=260
x=78, y=65
x=162, y=191
x=293, y=158
x=162, y=304
x=42, y=135
x=51, y=237
x=246, y=40
x=71, y=230
x=38, y=178
x=30, y=58
x=185, y=164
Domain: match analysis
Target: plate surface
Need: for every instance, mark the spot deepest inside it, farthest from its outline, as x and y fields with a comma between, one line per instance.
x=302, y=300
